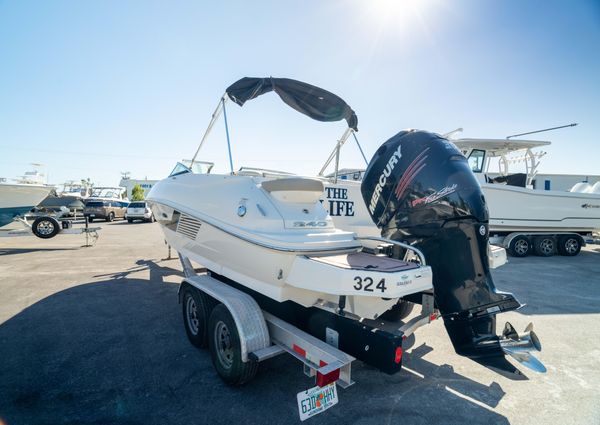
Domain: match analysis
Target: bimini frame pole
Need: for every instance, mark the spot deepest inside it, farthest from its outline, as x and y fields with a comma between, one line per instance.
x=335, y=154
x=215, y=116
x=227, y=134
x=360, y=148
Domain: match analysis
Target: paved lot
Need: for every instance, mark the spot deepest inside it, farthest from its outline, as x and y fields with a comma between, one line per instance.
x=94, y=336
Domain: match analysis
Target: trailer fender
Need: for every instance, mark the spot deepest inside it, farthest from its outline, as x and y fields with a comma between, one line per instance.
x=248, y=317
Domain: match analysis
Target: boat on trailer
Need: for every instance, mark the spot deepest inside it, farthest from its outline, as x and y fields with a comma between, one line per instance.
x=524, y=219
x=268, y=235
x=513, y=202
x=273, y=235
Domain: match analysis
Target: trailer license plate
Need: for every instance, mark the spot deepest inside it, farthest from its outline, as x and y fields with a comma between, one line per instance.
x=92, y=215
x=316, y=400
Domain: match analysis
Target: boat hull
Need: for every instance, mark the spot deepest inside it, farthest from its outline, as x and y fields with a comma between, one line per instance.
x=286, y=275
x=17, y=199
x=514, y=209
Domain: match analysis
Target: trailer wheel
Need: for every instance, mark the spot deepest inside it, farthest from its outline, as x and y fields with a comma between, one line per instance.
x=110, y=217
x=399, y=311
x=45, y=227
x=90, y=220
x=544, y=246
x=569, y=245
x=225, y=348
x=196, y=307
x=519, y=246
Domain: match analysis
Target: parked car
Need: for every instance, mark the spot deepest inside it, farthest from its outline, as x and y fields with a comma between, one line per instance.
x=139, y=211
x=107, y=210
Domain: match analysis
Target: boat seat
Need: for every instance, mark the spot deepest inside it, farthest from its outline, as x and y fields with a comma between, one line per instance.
x=364, y=261
x=294, y=189
x=293, y=184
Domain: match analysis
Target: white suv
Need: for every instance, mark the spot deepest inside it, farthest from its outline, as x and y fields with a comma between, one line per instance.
x=139, y=211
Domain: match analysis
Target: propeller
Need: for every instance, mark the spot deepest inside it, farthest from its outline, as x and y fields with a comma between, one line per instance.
x=520, y=346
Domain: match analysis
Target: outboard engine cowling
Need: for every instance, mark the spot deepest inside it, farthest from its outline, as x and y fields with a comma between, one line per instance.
x=419, y=189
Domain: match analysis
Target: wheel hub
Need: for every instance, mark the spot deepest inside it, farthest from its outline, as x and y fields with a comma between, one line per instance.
x=571, y=245
x=547, y=246
x=521, y=247
x=192, y=315
x=45, y=227
x=223, y=344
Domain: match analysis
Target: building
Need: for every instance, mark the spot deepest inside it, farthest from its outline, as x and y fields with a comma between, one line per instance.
x=129, y=183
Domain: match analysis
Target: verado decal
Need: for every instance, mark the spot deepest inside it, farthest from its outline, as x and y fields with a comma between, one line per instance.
x=434, y=196
x=383, y=178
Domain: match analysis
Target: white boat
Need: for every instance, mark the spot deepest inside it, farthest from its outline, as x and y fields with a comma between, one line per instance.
x=16, y=199
x=513, y=203
x=270, y=234
x=81, y=190
x=275, y=237
x=107, y=193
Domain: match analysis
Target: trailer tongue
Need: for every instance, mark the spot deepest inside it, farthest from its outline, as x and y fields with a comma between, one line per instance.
x=420, y=190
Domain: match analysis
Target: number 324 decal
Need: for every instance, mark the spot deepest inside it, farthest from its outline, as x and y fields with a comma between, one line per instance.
x=365, y=284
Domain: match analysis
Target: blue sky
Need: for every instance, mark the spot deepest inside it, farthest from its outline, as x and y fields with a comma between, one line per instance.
x=91, y=89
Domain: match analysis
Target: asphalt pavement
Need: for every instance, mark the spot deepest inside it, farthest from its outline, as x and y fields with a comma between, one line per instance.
x=95, y=336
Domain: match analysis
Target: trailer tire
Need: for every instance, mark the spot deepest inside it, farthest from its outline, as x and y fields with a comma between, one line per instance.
x=196, y=308
x=544, y=246
x=90, y=220
x=519, y=246
x=399, y=311
x=110, y=217
x=569, y=245
x=225, y=348
x=45, y=227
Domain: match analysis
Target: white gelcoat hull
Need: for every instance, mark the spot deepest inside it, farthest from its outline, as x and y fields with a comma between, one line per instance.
x=518, y=209
x=199, y=220
x=22, y=195
x=280, y=276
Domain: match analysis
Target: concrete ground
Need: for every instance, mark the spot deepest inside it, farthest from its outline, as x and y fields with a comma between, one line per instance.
x=95, y=336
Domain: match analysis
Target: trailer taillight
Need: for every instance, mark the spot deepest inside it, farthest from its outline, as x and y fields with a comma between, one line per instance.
x=398, y=356
x=328, y=378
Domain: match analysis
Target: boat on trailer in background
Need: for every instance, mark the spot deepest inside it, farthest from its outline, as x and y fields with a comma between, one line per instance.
x=522, y=219
x=275, y=255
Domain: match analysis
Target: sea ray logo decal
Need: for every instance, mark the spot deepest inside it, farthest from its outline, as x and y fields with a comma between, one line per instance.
x=413, y=169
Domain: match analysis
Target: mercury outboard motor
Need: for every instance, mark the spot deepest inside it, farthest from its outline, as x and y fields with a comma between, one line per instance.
x=420, y=190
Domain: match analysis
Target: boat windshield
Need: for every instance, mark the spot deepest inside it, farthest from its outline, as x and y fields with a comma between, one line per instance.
x=179, y=169
x=186, y=166
x=476, y=159
x=106, y=192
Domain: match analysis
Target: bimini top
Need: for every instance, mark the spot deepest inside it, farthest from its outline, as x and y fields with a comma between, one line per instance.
x=315, y=102
x=497, y=147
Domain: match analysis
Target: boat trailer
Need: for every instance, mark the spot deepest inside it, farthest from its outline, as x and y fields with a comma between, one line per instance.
x=240, y=334
x=48, y=226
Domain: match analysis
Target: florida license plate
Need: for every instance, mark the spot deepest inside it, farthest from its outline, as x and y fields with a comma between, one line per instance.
x=316, y=400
